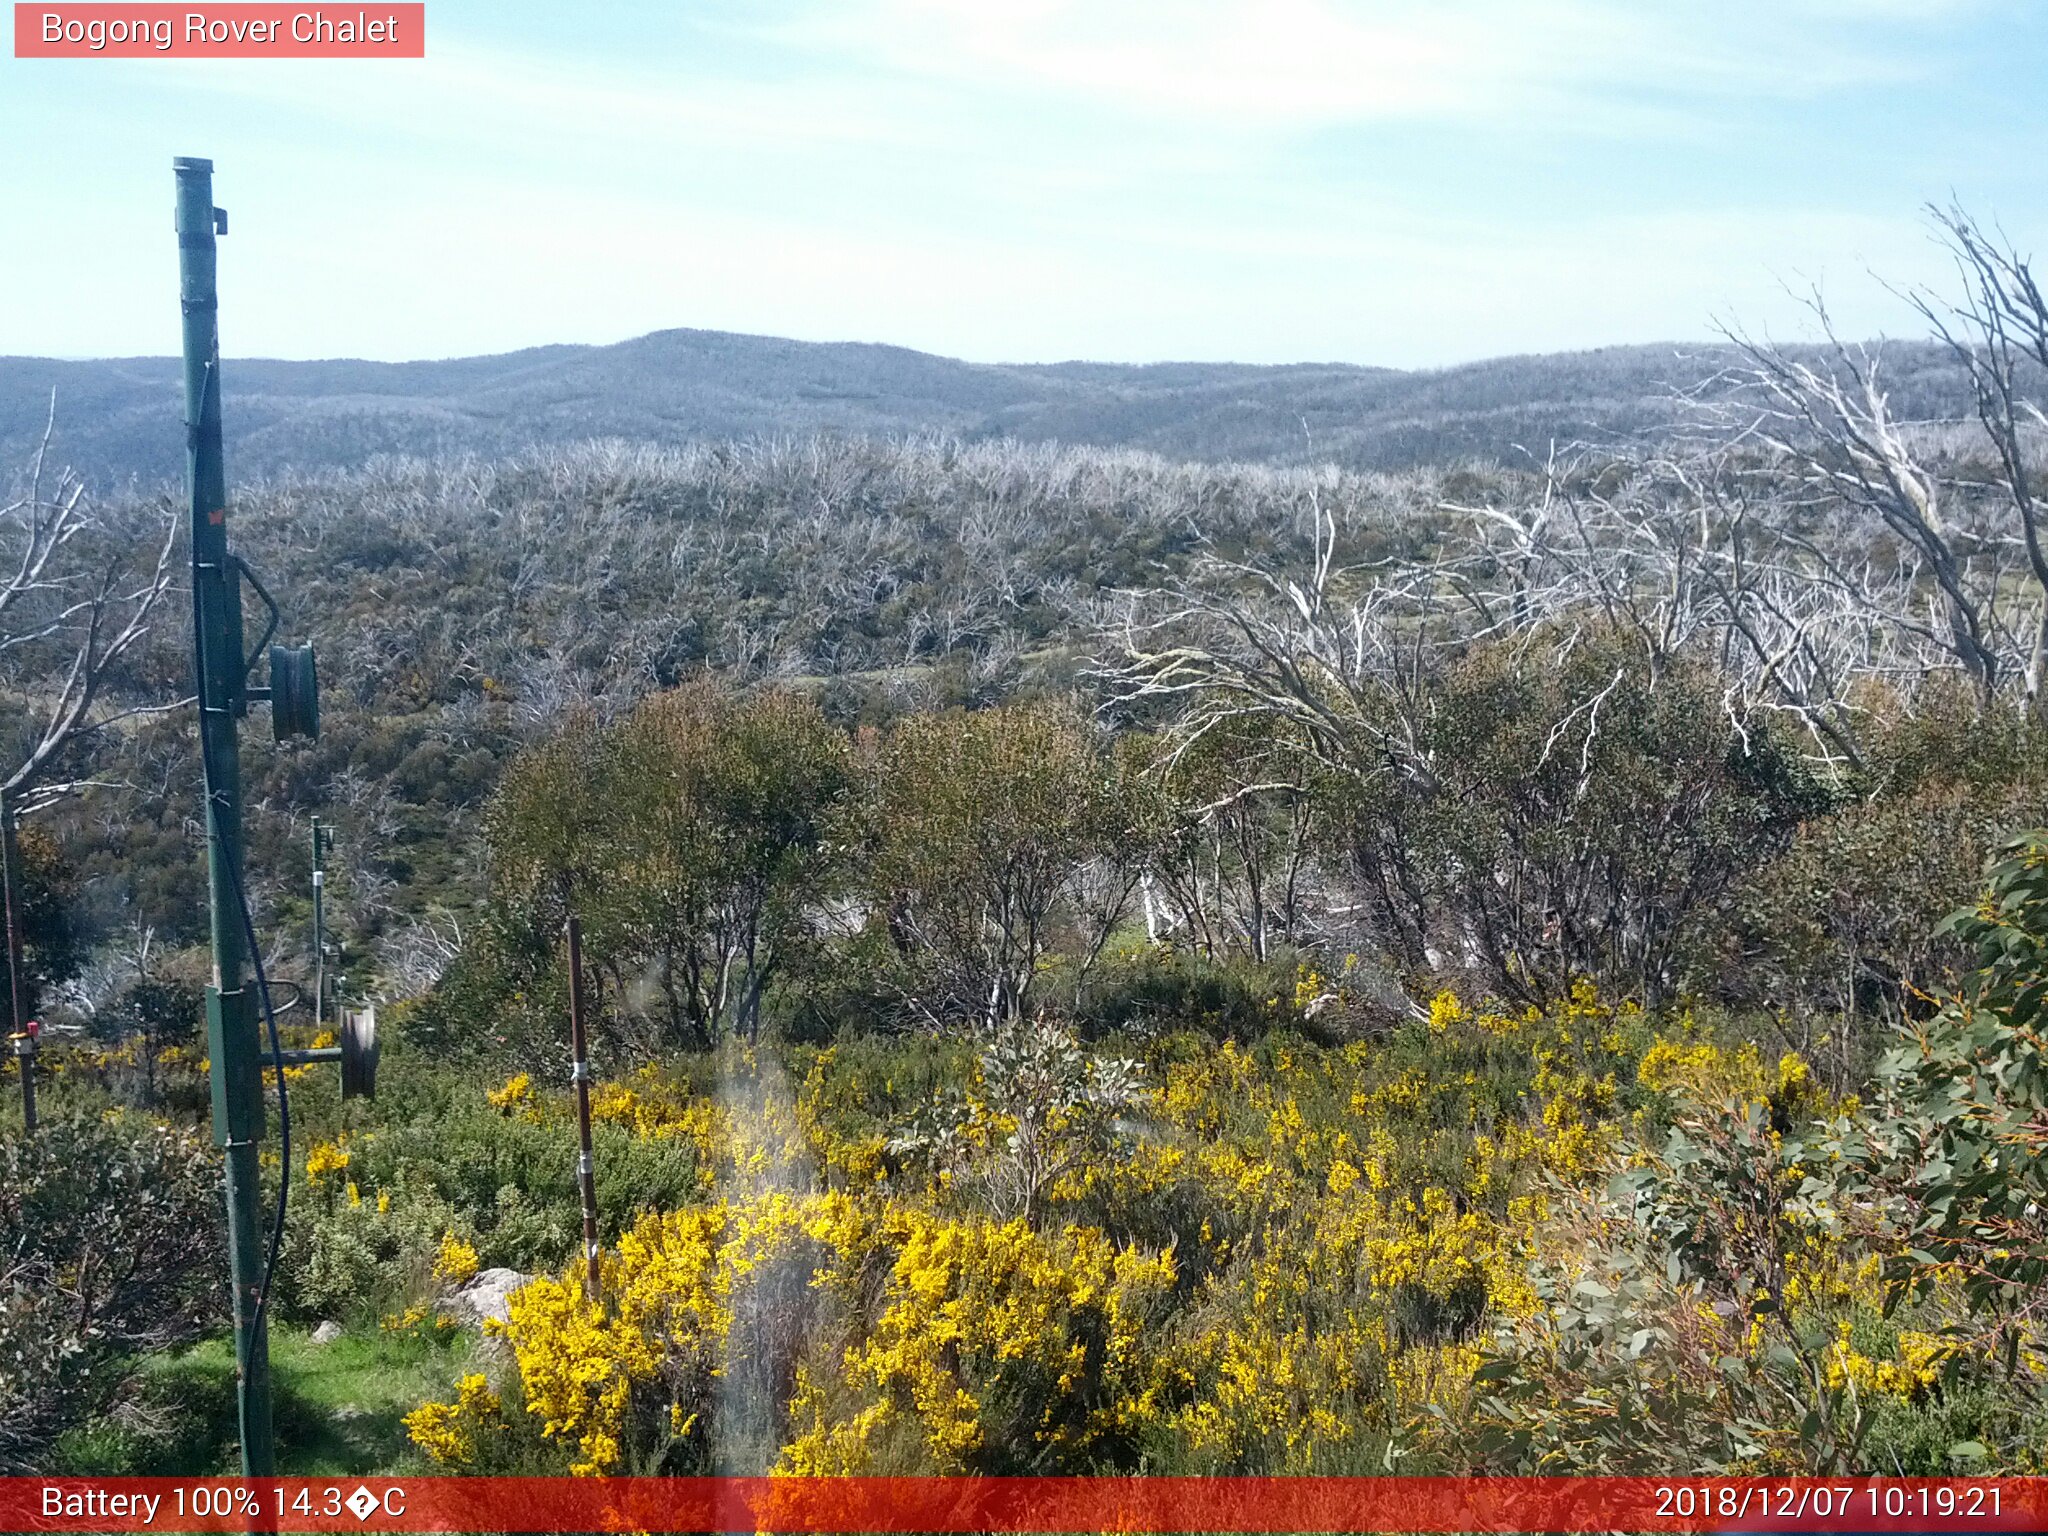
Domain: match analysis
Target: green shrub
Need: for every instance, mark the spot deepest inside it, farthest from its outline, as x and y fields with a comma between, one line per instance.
x=1954, y=1151
x=352, y=1258
x=448, y=1162
x=1581, y=815
x=1146, y=991
x=1843, y=931
x=111, y=1233
x=1742, y=1296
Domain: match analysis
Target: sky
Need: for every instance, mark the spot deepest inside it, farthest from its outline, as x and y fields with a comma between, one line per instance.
x=1407, y=183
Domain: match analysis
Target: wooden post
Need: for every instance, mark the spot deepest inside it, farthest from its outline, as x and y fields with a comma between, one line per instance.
x=579, y=1074
x=22, y=1033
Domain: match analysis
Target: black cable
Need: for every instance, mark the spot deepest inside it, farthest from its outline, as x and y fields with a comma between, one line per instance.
x=230, y=570
x=284, y=1099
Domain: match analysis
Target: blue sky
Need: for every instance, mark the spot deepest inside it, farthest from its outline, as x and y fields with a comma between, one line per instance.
x=1400, y=182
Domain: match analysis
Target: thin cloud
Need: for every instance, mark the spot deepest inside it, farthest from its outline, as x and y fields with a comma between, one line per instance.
x=1295, y=63
x=1262, y=180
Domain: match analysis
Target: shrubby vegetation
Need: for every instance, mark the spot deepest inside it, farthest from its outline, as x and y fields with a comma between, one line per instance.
x=1098, y=964
x=112, y=1248
x=1505, y=1240
x=1496, y=1238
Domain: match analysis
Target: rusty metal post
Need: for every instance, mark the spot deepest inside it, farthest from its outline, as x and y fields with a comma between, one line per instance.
x=579, y=1074
x=22, y=1030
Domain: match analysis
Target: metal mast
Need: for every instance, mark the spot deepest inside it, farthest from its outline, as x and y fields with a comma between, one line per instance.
x=323, y=839
x=220, y=670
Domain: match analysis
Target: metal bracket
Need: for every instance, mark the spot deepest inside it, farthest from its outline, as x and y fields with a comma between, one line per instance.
x=249, y=662
x=231, y=1043
x=293, y=691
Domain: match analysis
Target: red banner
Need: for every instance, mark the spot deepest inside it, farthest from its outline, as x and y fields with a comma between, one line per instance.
x=1024, y=1504
x=238, y=31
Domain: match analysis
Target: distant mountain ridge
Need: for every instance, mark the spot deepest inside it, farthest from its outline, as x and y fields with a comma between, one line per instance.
x=118, y=418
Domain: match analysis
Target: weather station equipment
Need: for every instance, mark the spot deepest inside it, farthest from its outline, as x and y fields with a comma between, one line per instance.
x=323, y=839
x=238, y=1000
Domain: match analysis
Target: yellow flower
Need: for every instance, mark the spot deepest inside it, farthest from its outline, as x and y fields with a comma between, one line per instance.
x=325, y=1157
x=1444, y=1011
x=451, y=1432
x=456, y=1261
x=515, y=1093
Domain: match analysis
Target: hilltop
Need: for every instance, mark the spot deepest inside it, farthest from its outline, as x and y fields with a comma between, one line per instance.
x=117, y=418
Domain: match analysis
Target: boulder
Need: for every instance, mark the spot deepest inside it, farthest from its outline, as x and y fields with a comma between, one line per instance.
x=485, y=1297
x=327, y=1333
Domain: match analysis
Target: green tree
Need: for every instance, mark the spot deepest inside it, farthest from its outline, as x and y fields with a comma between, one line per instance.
x=1230, y=824
x=1577, y=813
x=690, y=837
x=990, y=836
x=726, y=806
x=1844, y=931
x=51, y=950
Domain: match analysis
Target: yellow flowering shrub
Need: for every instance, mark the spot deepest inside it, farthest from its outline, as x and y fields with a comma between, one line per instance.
x=326, y=1157
x=962, y=1312
x=455, y=1261
x=1444, y=1011
x=994, y=1347
x=454, y=1434
x=757, y=1136
x=1346, y=1320
x=514, y=1094
x=1911, y=1375
x=1473, y=1241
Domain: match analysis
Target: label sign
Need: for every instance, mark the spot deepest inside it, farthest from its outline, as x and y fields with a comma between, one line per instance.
x=236, y=31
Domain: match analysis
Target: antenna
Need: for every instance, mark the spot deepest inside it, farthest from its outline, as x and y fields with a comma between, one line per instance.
x=323, y=839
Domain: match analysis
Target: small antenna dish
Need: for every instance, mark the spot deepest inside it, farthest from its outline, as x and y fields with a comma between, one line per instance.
x=294, y=693
x=359, y=1052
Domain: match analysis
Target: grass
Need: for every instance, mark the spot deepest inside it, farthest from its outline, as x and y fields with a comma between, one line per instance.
x=338, y=1409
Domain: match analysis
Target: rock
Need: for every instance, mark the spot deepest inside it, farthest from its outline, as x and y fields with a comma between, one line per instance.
x=485, y=1298
x=327, y=1333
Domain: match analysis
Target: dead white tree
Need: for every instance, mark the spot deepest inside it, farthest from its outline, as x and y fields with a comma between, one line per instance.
x=417, y=956
x=1328, y=659
x=1827, y=425
x=1998, y=330
x=77, y=596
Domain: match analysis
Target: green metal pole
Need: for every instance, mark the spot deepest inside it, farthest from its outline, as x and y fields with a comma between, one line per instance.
x=219, y=674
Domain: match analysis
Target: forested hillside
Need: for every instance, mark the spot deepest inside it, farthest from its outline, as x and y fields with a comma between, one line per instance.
x=116, y=418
